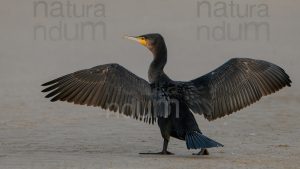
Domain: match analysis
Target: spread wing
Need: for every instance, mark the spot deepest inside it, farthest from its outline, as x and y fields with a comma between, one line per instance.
x=109, y=86
x=233, y=86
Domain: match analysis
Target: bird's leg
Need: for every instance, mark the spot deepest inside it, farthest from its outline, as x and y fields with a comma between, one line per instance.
x=165, y=147
x=203, y=151
x=164, y=151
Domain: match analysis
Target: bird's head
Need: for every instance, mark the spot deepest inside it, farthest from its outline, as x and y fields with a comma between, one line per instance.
x=152, y=41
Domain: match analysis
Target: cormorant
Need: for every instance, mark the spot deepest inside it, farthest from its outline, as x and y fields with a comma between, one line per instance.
x=234, y=85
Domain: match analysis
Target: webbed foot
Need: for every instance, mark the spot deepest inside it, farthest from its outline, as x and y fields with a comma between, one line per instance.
x=159, y=153
x=203, y=151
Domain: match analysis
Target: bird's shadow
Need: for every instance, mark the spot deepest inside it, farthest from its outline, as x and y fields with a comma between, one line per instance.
x=180, y=156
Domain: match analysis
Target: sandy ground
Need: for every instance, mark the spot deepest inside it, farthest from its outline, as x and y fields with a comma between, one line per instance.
x=58, y=136
x=37, y=134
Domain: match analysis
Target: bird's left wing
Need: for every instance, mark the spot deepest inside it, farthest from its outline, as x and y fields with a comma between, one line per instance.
x=233, y=86
x=109, y=86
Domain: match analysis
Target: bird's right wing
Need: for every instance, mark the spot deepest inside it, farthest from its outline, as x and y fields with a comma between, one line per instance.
x=109, y=86
x=233, y=86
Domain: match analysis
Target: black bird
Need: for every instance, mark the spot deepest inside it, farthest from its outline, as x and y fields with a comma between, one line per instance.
x=234, y=85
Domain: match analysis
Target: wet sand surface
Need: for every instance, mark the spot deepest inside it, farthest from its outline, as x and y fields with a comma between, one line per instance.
x=67, y=136
x=37, y=134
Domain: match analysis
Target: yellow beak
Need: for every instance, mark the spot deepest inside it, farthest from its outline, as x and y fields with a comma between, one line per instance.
x=140, y=40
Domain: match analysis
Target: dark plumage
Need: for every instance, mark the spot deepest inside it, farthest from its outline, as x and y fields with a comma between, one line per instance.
x=229, y=88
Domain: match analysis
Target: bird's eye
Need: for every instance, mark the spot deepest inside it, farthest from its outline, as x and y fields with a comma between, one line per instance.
x=142, y=38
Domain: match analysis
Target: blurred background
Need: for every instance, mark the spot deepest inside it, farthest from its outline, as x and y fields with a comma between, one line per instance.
x=43, y=39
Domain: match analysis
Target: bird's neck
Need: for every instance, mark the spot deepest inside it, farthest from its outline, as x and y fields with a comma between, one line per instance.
x=156, y=68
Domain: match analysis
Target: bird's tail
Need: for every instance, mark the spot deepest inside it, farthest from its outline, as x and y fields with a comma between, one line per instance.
x=196, y=140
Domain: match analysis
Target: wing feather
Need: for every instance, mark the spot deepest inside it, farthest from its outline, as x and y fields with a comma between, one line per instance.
x=109, y=86
x=233, y=86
